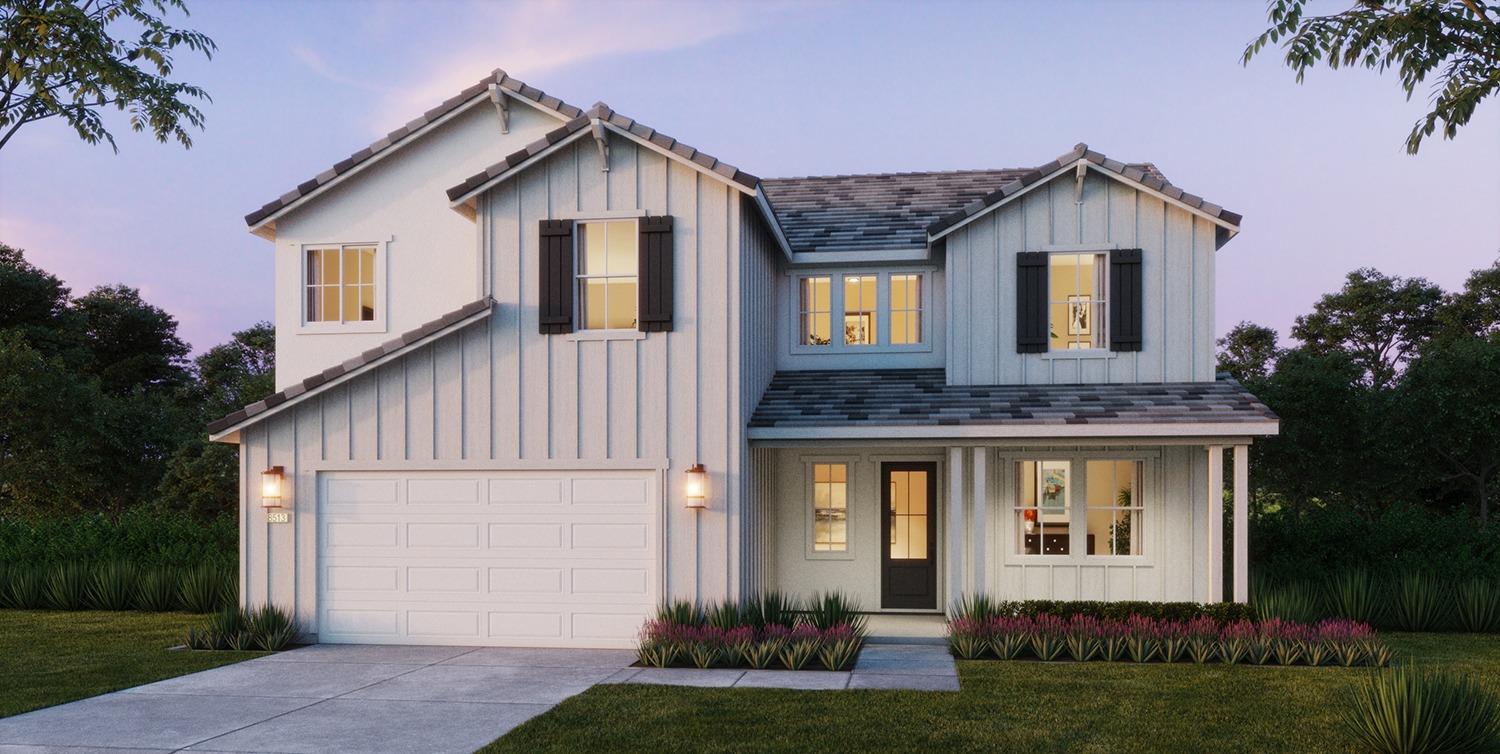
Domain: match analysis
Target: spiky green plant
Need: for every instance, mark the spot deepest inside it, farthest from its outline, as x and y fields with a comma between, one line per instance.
x=1353, y=594
x=201, y=589
x=67, y=587
x=762, y=654
x=271, y=628
x=25, y=587
x=657, y=654
x=978, y=607
x=1409, y=710
x=770, y=609
x=156, y=591
x=1476, y=605
x=723, y=615
x=112, y=586
x=680, y=613
x=1295, y=602
x=1419, y=601
x=828, y=609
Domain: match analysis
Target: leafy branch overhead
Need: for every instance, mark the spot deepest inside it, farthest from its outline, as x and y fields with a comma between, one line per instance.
x=72, y=59
x=1457, y=41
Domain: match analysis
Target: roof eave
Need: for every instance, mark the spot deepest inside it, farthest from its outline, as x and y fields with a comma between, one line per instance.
x=1094, y=431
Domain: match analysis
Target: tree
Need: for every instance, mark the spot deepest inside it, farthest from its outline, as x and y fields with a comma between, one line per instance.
x=1475, y=310
x=1458, y=40
x=50, y=432
x=37, y=306
x=71, y=59
x=1450, y=407
x=1377, y=320
x=1248, y=352
x=134, y=345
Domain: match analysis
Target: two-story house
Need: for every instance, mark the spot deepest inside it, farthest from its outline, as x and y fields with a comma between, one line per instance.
x=541, y=368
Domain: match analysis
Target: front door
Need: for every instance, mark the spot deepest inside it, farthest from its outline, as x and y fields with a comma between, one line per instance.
x=908, y=528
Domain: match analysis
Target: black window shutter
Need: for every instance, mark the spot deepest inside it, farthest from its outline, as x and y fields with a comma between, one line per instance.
x=1125, y=300
x=555, y=278
x=654, y=313
x=1031, y=302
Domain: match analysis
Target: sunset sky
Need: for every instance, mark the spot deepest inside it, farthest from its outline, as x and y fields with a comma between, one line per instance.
x=779, y=89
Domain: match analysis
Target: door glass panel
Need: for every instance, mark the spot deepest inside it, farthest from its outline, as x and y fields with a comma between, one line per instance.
x=908, y=512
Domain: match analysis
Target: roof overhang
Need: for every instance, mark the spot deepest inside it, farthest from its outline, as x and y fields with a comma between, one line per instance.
x=1206, y=431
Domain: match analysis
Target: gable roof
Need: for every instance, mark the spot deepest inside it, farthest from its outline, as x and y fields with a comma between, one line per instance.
x=1143, y=175
x=221, y=428
x=402, y=136
x=479, y=182
x=919, y=402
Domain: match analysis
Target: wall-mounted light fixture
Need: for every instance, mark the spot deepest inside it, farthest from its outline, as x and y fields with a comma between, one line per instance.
x=696, y=494
x=272, y=481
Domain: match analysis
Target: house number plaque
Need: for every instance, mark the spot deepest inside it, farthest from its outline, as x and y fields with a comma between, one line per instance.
x=278, y=517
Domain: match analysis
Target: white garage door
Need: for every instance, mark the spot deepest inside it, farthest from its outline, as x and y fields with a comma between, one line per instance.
x=499, y=558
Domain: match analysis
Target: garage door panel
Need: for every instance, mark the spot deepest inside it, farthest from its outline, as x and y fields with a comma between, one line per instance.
x=517, y=559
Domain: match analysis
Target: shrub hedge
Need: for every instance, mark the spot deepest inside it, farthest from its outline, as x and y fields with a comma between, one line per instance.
x=145, y=537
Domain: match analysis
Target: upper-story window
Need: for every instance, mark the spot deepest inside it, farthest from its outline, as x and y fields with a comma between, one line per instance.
x=608, y=274
x=1076, y=299
x=877, y=309
x=340, y=284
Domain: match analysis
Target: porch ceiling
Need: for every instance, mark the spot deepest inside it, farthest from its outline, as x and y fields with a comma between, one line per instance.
x=918, y=403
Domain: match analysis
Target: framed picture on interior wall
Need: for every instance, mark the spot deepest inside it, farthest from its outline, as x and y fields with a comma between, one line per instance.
x=1078, y=315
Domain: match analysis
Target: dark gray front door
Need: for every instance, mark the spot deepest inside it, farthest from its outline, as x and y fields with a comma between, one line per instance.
x=908, y=553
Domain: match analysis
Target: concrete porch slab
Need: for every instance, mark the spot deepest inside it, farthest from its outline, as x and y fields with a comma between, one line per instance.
x=391, y=727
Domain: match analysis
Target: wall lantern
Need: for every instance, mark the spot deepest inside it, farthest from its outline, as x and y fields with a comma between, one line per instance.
x=697, y=487
x=271, y=481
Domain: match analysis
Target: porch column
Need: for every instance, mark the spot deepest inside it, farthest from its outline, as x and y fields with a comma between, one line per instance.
x=979, y=530
x=1242, y=523
x=953, y=544
x=1215, y=523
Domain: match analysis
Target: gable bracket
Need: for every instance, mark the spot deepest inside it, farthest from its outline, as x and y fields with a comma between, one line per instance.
x=1079, y=172
x=601, y=139
x=501, y=102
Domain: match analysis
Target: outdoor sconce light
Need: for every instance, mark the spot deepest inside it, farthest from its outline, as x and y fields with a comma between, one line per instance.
x=697, y=487
x=271, y=481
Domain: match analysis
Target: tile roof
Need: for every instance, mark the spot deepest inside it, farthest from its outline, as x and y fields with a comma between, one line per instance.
x=921, y=397
x=402, y=341
x=604, y=113
x=880, y=211
x=1143, y=174
x=512, y=86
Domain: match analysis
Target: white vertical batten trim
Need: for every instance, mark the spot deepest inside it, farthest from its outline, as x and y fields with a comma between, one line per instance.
x=980, y=529
x=1215, y=523
x=954, y=544
x=1242, y=523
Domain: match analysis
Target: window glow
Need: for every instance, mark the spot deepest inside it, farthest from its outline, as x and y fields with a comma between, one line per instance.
x=607, y=274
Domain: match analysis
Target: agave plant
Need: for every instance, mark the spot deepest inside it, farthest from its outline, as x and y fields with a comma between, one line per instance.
x=765, y=652
x=112, y=586
x=770, y=609
x=1477, y=605
x=1236, y=641
x=1009, y=637
x=1408, y=710
x=723, y=615
x=1049, y=635
x=1353, y=594
x=801, y=646
x=271, y=628
x=967, y=638
x=1293, y=602
x=201, y=589
x=1143, y=638
x=838, y=647
x=25, y=587
x=979, y=607
x=1113, y=641
x=1202, y=640
x=705, y=648
x=1174, y=639
x=1418, y=601
x=680, y=612
x=736, y=646
x=157, y=591
x=829, y=609
x=1083, y=637
x=67, y=587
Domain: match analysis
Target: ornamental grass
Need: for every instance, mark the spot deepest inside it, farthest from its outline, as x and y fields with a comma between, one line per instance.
x=766, y=631
x=1140, y=639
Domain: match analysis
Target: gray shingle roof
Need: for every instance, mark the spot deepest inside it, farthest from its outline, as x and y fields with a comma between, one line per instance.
x=604, y=113
x=882, y=210
x=921, y=397
x=336, y=371
x=1144, y=174
x=512, y=86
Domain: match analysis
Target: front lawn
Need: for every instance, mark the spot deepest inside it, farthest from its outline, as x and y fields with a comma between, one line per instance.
x=50, y=657
x=1004, y=706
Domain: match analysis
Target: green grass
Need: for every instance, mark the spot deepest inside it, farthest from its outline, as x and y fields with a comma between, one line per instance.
x=1004, y=706
x=50, y=657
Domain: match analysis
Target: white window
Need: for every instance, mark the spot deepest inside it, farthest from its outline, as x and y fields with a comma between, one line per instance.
x=906, y=309
x=340, y=284
x=830, y=507
x=1076, y=299
x=815, y=312
x=607, y=274
x=1053, y=516
x=860, y=304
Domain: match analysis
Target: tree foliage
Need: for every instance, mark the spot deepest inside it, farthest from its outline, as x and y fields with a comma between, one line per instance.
x=1376, y=319
x=72, y=59
x=1457, y=41
x=1248, y=352
x=1449, y=406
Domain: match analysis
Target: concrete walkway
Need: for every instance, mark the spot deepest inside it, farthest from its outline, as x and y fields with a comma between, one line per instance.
x=913, y=667
x=324, y=698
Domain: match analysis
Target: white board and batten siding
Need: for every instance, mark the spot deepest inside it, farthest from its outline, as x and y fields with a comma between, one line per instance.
x=498, y=397
x=1177, y=260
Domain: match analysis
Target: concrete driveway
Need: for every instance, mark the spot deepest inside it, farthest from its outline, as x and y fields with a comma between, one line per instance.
x=324, y=698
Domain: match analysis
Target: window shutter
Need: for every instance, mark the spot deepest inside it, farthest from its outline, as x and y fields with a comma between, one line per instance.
x=555, y=278
x=654, y=313
x=1031, y=302
x=1125, y=300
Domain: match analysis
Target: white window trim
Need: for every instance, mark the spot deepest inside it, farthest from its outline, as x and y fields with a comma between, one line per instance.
x=382, y=292
x=882, y=311
x=1080, y=353
x=608, y=333
x=1151, y=508
x=851, y=466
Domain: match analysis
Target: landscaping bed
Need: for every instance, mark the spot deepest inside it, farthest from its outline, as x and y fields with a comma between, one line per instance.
x=767, y=631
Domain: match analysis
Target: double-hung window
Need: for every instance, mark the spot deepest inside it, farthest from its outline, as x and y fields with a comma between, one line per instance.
x=861, y=310
x=830, y=507
x=815, y=311
x=340, y=284
x=608, y=274
x=1059, y=513
x=1076, y=313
